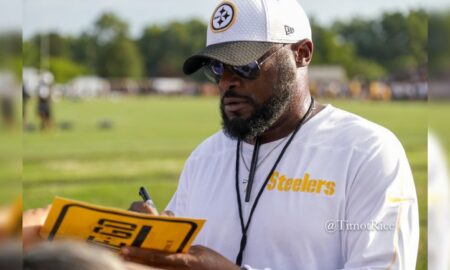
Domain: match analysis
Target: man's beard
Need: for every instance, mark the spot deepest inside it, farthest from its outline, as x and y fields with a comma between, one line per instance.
x=266, y=114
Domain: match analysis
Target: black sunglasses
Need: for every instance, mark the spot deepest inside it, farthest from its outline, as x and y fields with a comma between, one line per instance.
x=214, y=69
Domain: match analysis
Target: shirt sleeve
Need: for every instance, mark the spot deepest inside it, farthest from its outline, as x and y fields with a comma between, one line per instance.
x=381, y=226
x=179, y=202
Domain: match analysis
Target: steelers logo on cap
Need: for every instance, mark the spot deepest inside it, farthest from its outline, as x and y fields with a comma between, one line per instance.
x=223, y=17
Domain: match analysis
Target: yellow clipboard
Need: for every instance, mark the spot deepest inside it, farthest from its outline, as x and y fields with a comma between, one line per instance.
x=115, y=228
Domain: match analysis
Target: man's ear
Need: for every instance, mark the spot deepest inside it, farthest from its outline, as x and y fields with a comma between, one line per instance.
x=303, y=52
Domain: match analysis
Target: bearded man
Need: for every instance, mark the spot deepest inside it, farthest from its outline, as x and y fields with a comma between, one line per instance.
x=289, y=183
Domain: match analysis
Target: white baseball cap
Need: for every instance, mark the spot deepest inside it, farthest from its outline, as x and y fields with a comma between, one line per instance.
x=241, y=31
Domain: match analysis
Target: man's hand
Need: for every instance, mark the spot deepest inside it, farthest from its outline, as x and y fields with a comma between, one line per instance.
x=142, y=207
x=32, y=222
x=197, y=258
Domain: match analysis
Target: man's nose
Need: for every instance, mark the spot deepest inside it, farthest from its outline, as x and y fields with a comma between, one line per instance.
x=229, y=80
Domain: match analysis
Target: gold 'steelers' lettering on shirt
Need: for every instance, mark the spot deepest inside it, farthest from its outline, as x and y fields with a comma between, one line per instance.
x=283, y=183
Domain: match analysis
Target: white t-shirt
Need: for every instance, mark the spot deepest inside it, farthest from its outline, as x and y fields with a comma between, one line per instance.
x=438, y=207
x=340, y=169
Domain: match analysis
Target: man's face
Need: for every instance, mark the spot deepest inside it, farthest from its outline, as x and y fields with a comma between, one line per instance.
x=251, y=107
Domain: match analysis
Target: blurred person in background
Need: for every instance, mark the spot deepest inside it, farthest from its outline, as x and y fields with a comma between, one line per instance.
x=25, y=99
x=279, y=185
x=7, y=98
x=44, y=100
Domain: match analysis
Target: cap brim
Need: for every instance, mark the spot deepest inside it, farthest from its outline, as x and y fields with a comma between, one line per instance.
x=238, y=53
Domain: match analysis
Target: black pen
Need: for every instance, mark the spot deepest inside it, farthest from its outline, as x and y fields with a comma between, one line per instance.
x=147, y=199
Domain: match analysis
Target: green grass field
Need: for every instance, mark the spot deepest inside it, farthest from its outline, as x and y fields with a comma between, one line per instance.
x=439, y=124
x=149, y=141
x=10, y=166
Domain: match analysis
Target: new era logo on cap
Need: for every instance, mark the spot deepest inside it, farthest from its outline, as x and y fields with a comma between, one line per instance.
x=289, y=30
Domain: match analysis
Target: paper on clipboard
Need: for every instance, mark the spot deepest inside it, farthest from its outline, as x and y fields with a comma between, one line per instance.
x=114, y=228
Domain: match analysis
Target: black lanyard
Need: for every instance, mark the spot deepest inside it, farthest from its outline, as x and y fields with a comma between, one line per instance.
x=244, y=227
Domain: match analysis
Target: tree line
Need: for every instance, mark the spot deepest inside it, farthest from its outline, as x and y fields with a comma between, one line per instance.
x=367, y=48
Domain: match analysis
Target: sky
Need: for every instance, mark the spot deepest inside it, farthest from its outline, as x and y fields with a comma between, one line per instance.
x=10, y=14
x=74, y=16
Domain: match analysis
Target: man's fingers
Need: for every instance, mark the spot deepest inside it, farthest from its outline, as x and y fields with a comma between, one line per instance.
x=142, y=207
x=153, y=257
x=140, y=254
x=167, y=213
x=34, y=217
x=30, y=236
x=152, y=209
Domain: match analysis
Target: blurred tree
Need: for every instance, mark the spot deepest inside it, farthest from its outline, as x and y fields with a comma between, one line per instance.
x=64, y=69
x=330, y=48
x=119, y=59
x=439, y=44
x=109, y=28
x=151, y=49
x=118, y=56
x=166, y=47
x=60, y=60
x=84, y=51
x=366, y=48
x=58, y=46
x=417, y=25
x=366, y=69
x=11, y=52
x=396, y=41
x=31, y=55
x=42, y=46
